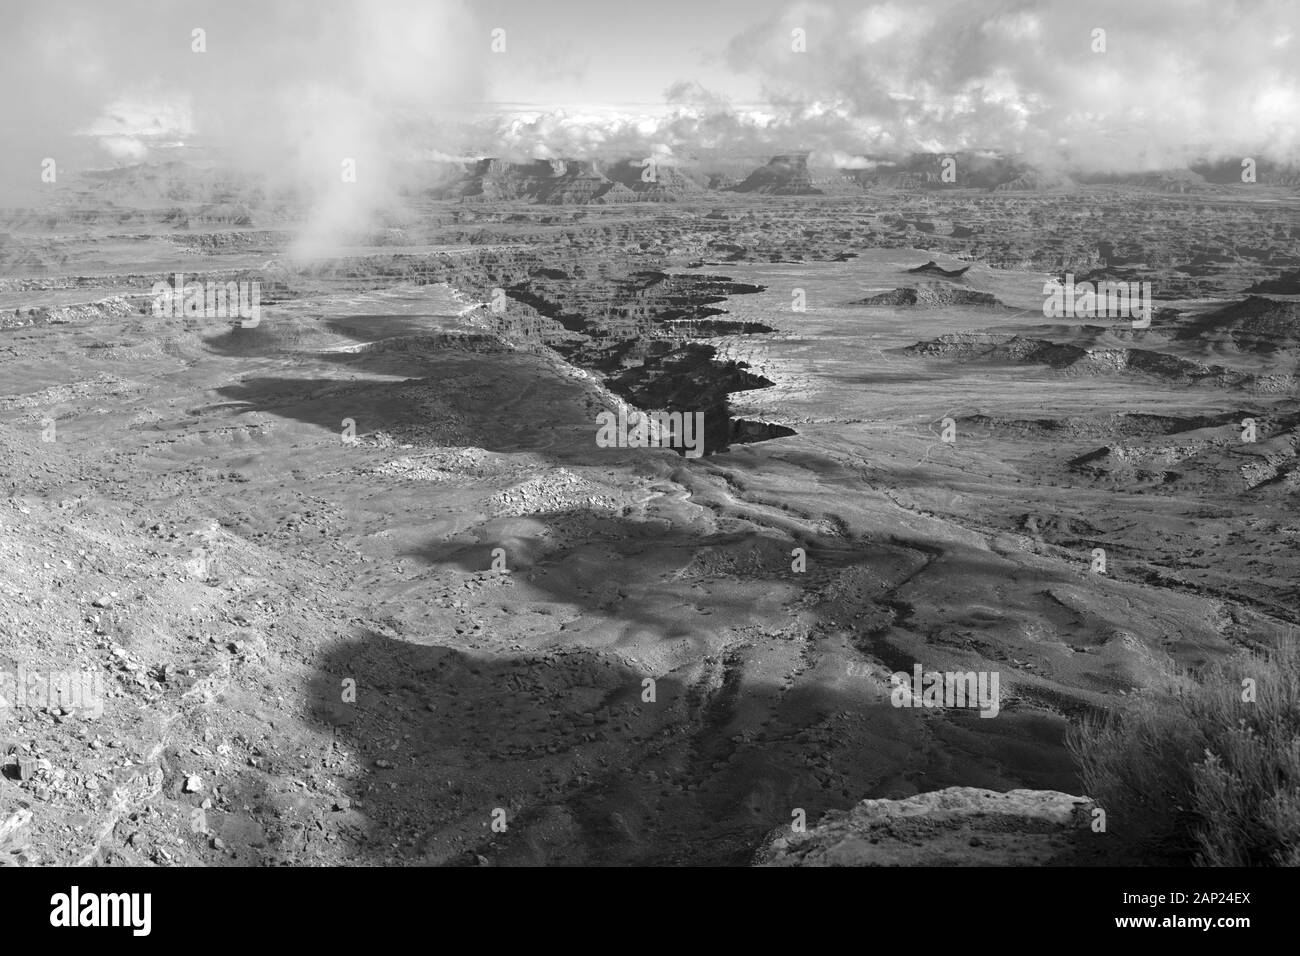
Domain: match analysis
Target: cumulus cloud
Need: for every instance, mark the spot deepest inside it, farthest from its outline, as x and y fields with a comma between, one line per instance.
x=1178, y=80
x=289, y=89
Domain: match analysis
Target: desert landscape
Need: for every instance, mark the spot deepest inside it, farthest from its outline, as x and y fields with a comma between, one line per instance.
x=348, y=575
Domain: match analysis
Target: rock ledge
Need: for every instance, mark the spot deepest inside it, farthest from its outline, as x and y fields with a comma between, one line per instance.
x=959, y=826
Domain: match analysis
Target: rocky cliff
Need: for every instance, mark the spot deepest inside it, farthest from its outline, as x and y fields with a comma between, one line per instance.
x=782, y=176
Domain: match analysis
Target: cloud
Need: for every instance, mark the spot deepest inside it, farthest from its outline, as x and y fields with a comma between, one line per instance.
x=285, y=91
x=1178, y=80
x=1177, y=77
x=125, y=147
x=288, y=90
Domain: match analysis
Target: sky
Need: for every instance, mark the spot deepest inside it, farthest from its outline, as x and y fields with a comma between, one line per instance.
x=290, y=86
x=593, y=55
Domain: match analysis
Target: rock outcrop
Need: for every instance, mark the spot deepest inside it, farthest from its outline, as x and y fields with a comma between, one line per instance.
x=934, y=269
x=959, y=826
x=931, y=297
x=782, y=176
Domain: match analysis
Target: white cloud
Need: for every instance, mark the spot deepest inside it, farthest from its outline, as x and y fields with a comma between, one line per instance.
x=125, y=147
x=290, y=88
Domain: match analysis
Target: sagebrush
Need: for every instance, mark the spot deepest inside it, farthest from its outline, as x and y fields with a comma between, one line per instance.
x=1206, y=769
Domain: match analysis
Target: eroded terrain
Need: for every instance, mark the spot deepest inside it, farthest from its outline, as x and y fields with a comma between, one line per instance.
x=314, y=651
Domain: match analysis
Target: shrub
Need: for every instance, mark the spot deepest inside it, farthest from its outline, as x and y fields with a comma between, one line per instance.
x=1198, y=772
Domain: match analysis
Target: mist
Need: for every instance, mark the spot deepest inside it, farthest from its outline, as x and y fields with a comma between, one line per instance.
x=285, y=93
x=293, y=93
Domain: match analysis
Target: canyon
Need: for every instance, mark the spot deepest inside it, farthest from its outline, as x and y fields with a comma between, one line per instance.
x=327, y=643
